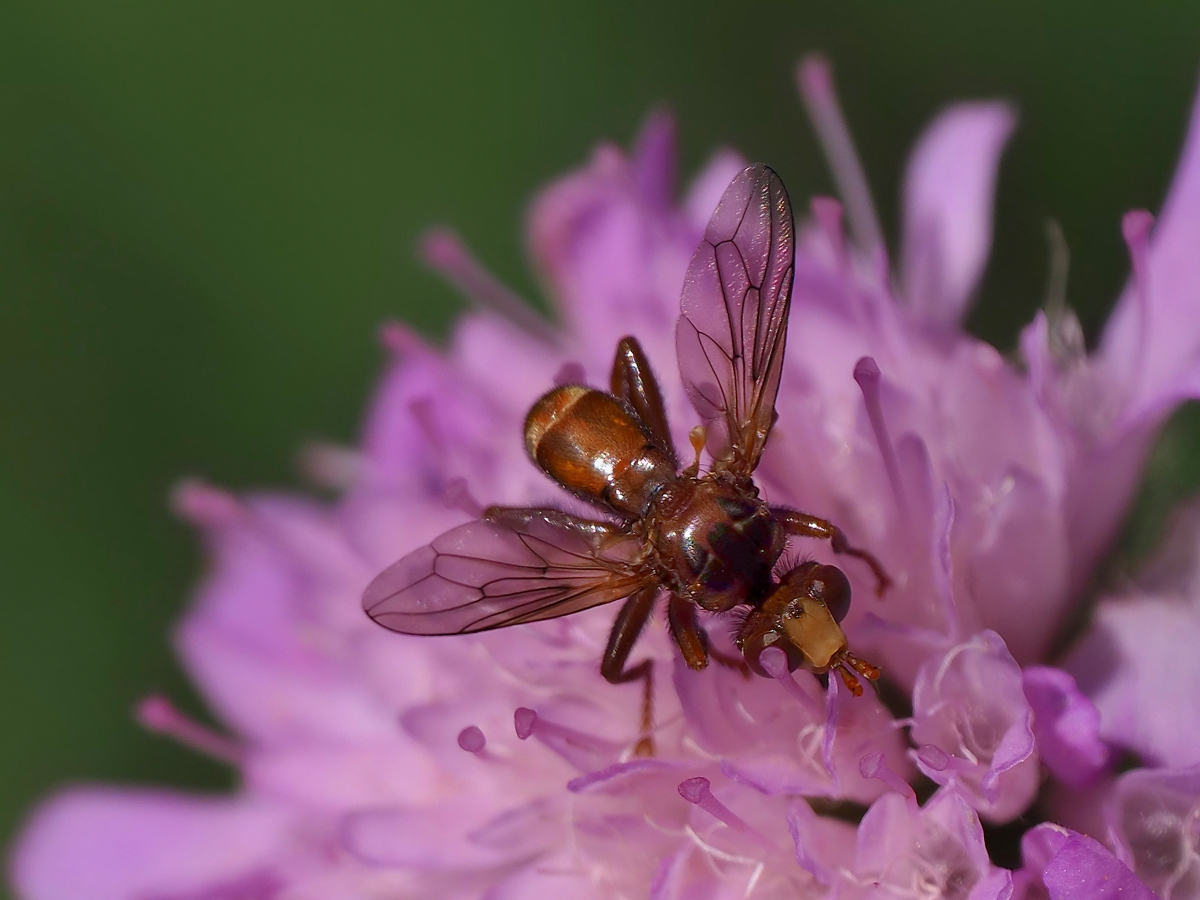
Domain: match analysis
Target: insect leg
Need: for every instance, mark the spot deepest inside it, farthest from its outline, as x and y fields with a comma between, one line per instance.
x=685, y=629
x=804, y=525
x=693, y=641
x=625, y=631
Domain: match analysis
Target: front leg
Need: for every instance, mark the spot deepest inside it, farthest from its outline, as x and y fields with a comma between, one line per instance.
x=625, y=631
x=804, y=525
x=693, y=641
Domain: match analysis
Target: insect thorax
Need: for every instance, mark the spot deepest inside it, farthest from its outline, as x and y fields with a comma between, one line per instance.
x=715, y=541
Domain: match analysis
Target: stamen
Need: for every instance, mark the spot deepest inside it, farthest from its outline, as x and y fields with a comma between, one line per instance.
x=446, y=254
x=1064, y=334
x=524, y=721
x=155, y=713
x=867, y=374
x=330, y=465
x=828, y=213
x=698, y=791
x=583, y=750
x=203, y=504
x=400, y=339
x=875, y=766
x=422, y=410
x=814, y=77
x=934, y=757
x=472, y=739
x=654, y=158
x=774, y=662
x=1135, y=228
x=571, y=373
x=457, y=495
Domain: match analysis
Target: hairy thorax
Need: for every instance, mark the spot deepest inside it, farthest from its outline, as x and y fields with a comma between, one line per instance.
x=714, y=540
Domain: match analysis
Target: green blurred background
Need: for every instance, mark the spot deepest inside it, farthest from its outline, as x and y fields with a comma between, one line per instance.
x=207, y=208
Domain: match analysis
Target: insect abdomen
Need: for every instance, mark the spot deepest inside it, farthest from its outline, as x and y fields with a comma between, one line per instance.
x=590, y=443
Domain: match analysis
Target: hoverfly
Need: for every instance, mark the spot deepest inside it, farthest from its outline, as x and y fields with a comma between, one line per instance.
x=708, y=541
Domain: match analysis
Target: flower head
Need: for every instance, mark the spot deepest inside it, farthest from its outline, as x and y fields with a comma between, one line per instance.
x=501, y=764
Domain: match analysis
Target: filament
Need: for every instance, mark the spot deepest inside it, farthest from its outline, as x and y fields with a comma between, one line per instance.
x=814, y=77
x=868, y=376
x=1135, y=229
x=472, y=739
x=156, y=713
x=443, y=250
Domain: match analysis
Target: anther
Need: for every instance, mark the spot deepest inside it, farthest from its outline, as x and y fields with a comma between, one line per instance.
x=202, y=504
x=774, y=662
x=400, y=339
x=155, y=713
x=472, y=739
x=524, y=721
x=583, y=750
x=654, y=158
x=868, y=376
x=1135, y=229
x=828, y=213
x=698, y=791
x=330, y=465
x=814, y=78
x=457, y=495
x=875, y=766
x=446, y=254
x=934, y=757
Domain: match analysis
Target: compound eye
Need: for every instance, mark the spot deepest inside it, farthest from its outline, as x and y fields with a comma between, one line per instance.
x=831, y=587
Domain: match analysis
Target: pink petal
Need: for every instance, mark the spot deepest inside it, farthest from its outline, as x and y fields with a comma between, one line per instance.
x=970, y=706
x=1152, y=818
x=108, y=844
x=1138, y=664
x=948, y=195
x=1083, y=869
x=1066, y=725
x=1152, y=350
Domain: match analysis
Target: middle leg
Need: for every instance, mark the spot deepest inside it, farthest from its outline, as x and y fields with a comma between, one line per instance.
x=804, y=525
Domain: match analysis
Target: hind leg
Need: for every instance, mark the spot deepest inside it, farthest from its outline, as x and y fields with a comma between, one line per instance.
x=614, y=666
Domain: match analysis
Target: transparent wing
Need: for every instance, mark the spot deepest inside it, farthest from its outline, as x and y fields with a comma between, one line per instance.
x=519, y=565
x=733, y=316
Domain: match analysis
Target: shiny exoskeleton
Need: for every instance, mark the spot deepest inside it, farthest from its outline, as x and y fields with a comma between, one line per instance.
x=707, y=541
x=710, y=540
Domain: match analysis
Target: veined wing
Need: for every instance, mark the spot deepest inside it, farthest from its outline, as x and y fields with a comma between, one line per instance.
x=733, y=315
x=511, y=567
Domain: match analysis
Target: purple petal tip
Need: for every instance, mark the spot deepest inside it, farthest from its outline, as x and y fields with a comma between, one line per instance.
x=524, y=720
x=203, y=504
x=934, y=757
x=472, y=739
x=866, y=370
x=1136, y=225
x=695, y=790
x=815, y=74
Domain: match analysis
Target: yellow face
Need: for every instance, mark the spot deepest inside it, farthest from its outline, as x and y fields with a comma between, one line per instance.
x=811, y=627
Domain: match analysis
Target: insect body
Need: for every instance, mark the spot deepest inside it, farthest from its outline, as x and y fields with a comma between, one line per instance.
x=706, y=540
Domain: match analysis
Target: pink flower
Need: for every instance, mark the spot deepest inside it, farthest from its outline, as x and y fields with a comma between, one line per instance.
x=501, y=765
